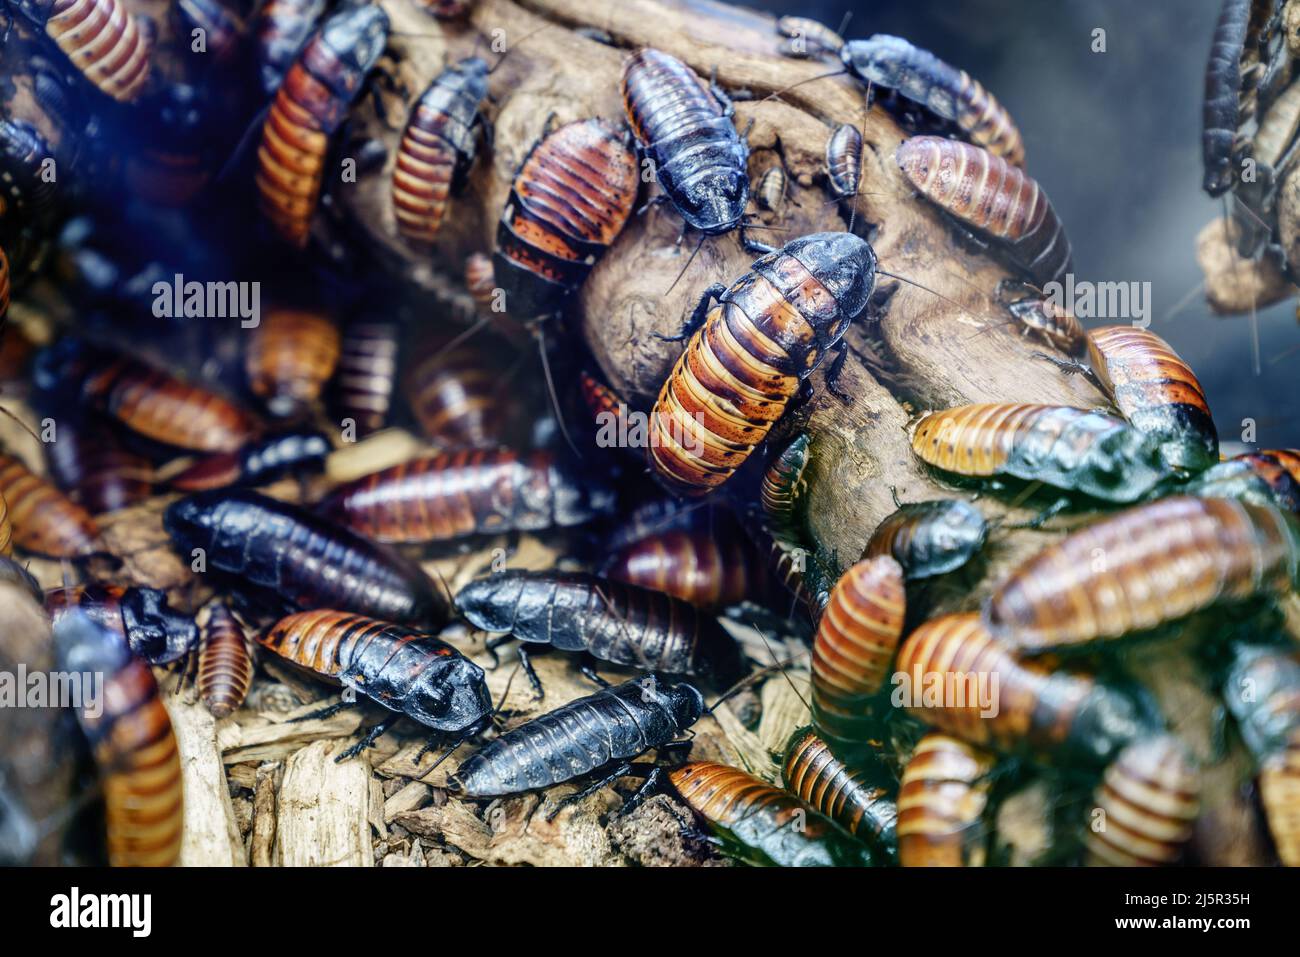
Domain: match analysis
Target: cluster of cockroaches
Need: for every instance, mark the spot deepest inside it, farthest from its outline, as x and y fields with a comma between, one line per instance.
x=329, y=585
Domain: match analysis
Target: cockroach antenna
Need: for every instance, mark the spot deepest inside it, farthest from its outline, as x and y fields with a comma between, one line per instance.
x=540, y=333
x=744, y=683
x=689, y=260
x=776, y=663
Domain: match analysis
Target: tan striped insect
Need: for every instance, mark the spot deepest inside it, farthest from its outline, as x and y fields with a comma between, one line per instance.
x=1279, y=792
x=6, y=530
x=293, y=353
x=1145, y=809
x=225, y=665
x=44, y=521
x=772, y=189
x=941, y=804
x=104, y=41
x=812, y=772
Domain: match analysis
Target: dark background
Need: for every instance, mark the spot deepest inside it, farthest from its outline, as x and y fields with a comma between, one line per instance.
x=1115, y=140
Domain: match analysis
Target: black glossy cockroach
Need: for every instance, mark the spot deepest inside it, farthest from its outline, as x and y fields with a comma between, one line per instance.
x=457, y=398
x=310, y=106
x=808, y=38
x=152, y=629
x=282, y=552
x=1254, y=477
x=480, y=278
x=283, y=28
x=751, y=353
x=949, y=93
x=44, y=520
x=291, y=356
x=93, y=466
x=108, y=46
x=1261, y=689
x=225, y=665
x=27, y=197
x=930, y=538
x=364, y=378
x=988, y=194
x=821, y=780
x=781, y=487
x=941, y=803
x=1279, y=793
x=264, y=460
x=1145, y=809
x=844, y=160
x=772, y=189
x=700, y=567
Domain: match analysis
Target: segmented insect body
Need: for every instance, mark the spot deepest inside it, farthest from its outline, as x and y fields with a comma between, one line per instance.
x=808, y=38
x=283, y=27
x=762, y=824
x=278, y=550
x=667, y=515
x=362, y=388
x=613, y=725
x=90, y=463
x=787, y=563
x=453, y=494
x=770, y=331
x=1157, y=392
x=701, y=568
x=1149, y=797
x=103, y=41
x=947, y=92
x=480, y=278
x=686, y=131
x=1221, y=117
x=951, y=664
x=772, y=189
x=44, y=520
x=261, y=461
x=987, y=193
x=941, y=804
x=615, y=622
x=438, y=148
x=1276, y=137
x=813, y=773
x=930, y=538
x=1279, y=792
x=458, y=400
x=154, y=631
x=310, y=106
x=602, y=400
x=1262, y=691
x=292, y=355
x=27, y=197
x=781, y=487
x=1053, y=324
x=133, y=744
x=1143, y=567
x=1072, y=449
x=1289, y=459
x=570, y=200
x=407, y=671
x=844, y=160
x=225, y=666
x=1255, y=477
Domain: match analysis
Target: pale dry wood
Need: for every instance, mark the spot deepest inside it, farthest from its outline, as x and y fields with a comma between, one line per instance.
x=323, y=810
x=785, y=709
x=211, y=835
x=411, y=797
x=1024, y=825
x=251, y=737
x=261, y=843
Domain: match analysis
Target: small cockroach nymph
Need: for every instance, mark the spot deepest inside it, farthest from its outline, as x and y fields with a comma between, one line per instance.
x=1146, y=806
x=942, y=800
x=291, y=355
x=225, y=665
x=821, y=780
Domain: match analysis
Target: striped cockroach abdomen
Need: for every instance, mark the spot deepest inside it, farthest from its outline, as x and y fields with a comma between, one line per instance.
x=283, y=27
x=44, y=521
x=1261, y=690
x=480, y=278
x=772, y=189
x=103, y=41
x=1146, y=806
x=699, y=567
x=844, y=160
x=458, y=398
x=365, y=375
x=225, y=665
x=930, y=538
x=817, y=777
x=941, y=804
x=781, y=487
x=1279, y=792
x=291, y=355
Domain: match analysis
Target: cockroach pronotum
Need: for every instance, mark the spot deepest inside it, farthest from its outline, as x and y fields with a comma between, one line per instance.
x=947, y=92
x=291, y=356
x=987, y=193
x=1040, y=316
x=762, y=824
x=772, y=189
x=700, y=567
x=310, y=106
x=750, y=354
x=930, y=538
x=1279, y=792
x=288, y=555
x=283, y=27
x=365, y=375
x=992, y=699
x=1146, y=806
x=133, y=744
x=821, y=780
x=225, y=666
x=1261, y=691
x=103, y=41
x=1143, y=567
x=457, y=399
x=480, y=278
x=941, y=804
x=1070, y=449
x=1255, y=477
x=807, y=38
x=262, y=461
x=44, y=520
x=152, y=629
x=844, y=160
x=93, y=466
x=781, y=487
x=570, y=200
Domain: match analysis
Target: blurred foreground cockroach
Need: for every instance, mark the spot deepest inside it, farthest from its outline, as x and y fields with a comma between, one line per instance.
x=480, y=278
x=1146, y=806
x=1255, y=477
x=44, y=520
x=447, y=9
x=1143, y=567
x=458, y=400
x=291, y=356
x=1289, y=459
x=225, y=666
x=1261, y=691
x=844, y=160
x=27, y=193
x=817, y=777
x=259, y=462
x=1279, y=792
x=103, y=41
x=152, y=629
x=930, y=538
x=702, y=568
x=364, y=377
x=808, y=38
x=283, y=27
x=941, y=804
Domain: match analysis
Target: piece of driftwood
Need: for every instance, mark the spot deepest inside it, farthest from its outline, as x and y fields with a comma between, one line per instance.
x=323, y=810
x=211, y=836
x=261, y=844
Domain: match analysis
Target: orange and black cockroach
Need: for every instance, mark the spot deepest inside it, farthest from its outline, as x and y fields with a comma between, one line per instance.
x=1279, y=793
x=1289, y=459
x=772, y=189
x=1071, y=449
x=296, y=452
x=569, y=201
x=1145, y=809
x=844, y=160
x=91, y=464
x=1143, y=567
x=930, y=538
x=1261, y=690
x=283, y=28
x=947, y=92
x=292, y=354
x=44, y=520
x=225, y=665
x=450, y=495
x=151, y=628
x=959, y=679
x=1255, y=477
x=600, y=398
x=457, y=398
x=480, y=278
x=807, y=38
x=941, y=804
x=1040, y=316
x=780, y=489
x=365, y=375
x=813, y=773
x=993, y=197
x=108, y=46
x=697, y=566
x=857, y=635
x=309, y=108
x=133, y=744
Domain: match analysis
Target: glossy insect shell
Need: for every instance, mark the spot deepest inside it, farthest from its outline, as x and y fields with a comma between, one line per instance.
x=362, y=388
x=844, y=160
x=91, y=463
x=701, y=568
x=1255, y=477
x=259, y=462
x=772, y=189
x=1055, y=325
x=1279, y=792
x=1261, y=690
x=101, y=39
x=1068, y=448
x=1221, y=106
x=930, y=538
x=44, y=521
x=941, y=804
x=813, y=773
x=781, y=487
x=152, y=629
x=283, y=26
x=291, y=355
x=225, y=666
x=1150, y=798
x=1143, y=567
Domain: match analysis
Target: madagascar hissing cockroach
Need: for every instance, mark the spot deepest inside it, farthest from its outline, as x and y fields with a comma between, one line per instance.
x=930, y=538
x=291, y=356
x=813, y=773
x=310, y=106
x=1143, y=567
x=6, y=530
x=173, y=160
x=44, y=520
x=1289, y=459
x=988, y=194
x=781, y=487
x=665, y=515
x=1040, y=316
x=5, y=287
x=283, y=27
x=91, y=464
x=707, y=570
x=1254, y=477
x=1146, y=806
x=569, y=201
x=261, y=461
x=941, y=804
x=615, y=622
x=480, y=278
x=438, y=148
x=152, y=629
x=601, y=399
x=134, y=747
x=27, y=192
x=949, y=93
x=808, y=38
x=105, y=43
x=1071, y=449
x=364, y=377
x=750, y=354
x=449, y=495
x=447, y=9
x=844, y=160
x=762, y=824
x=957, y=677
x=1261, y=690
x=225, y=666
x=1279, y=793
x=288, y=555
x=458, y=399
x=772, y=189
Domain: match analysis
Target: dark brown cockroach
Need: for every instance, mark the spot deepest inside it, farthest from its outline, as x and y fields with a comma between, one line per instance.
x=750, y=354
x=941, y=804
x=457, y=399
x=292, y=355
x=225, y=665
x=949, y=663
x=133, y=744
x=104, y=42
x=1261, y=691
x=570, y=200
x=987, y=193
x=807, y=38
x=772, y=189
x=665, y=515
x=262, y=461
x=1279, y=792
x=44, y=520
x=1071, y=449
x=283, y=27
x=699, y=567
x=930, y=538
x=844, y=160
x=781, y=487
x=152, y=629
x=1254, y=477
x=1143, y=567
x=813, y=773
x=450, y=495
x=602, y=400
x=174, y=160
x=310, y=106
x=1040, y=316
x=1145, y=809
x=16, y=349
x=364, y=377
x=787, y=563
x=93, y=466
x=480, y=278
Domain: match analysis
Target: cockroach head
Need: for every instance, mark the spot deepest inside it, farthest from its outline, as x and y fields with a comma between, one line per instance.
x=876, y=59
x=357, y=36
x=451, y=694
x=684, y=701
x=155, y=631
x=715, y=204
x=842, y=262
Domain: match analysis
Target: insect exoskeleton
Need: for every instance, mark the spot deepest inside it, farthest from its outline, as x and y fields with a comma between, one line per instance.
x=1255, y=477
x=1056, y=325
x=102, y=40
x=1279, y=792
x=458, y=398
x=225, y=665
x=829, y=786
x=480, y=278
x=89, y=461
x=706, y=569
x=362, y=388
x=1146, y=806
x=283, y=26
x=941, y=804
x=1222, y=110
x=930, y=538
x=808, y=38
x=1261, y=690
x=151, y=628
x=844, y=160
x=264, y=460
x=1143, y=567
x=292, y=354
x=772, y=189
x=43, y=520
x=781, y=487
